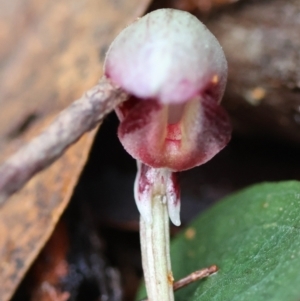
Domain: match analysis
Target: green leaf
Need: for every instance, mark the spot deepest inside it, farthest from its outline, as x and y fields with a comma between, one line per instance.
x=254, y=238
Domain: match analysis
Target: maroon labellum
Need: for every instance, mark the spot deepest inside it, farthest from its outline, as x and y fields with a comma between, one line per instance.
x=177, y=137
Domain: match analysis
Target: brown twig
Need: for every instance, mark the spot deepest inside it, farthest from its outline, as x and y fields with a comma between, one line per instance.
x=81, y=116
x=195, y=276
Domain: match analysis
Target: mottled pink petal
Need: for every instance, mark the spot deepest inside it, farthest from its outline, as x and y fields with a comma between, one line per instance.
x=168, y=55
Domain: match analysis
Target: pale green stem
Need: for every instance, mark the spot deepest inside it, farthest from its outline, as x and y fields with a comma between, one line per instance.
x=155, y=245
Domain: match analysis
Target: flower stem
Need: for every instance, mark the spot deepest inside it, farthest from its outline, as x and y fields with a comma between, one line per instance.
x=155, y=244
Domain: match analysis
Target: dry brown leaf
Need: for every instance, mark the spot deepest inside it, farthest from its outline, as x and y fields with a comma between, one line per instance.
x=30, y=216
x=80, y=117
x=51, y=52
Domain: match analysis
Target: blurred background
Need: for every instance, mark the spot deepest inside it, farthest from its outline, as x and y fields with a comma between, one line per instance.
x=72, y=232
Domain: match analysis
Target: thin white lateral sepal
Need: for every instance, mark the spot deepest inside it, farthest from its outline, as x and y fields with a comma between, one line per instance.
x=174, y=211
x=142, y=195
x=173, y=198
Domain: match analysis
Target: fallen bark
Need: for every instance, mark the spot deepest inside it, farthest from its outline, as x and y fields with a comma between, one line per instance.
x=261, y=41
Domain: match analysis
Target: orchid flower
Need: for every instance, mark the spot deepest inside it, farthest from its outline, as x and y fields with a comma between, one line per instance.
x=175, y=71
